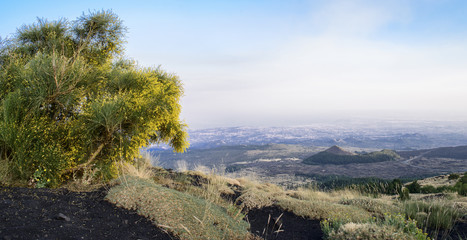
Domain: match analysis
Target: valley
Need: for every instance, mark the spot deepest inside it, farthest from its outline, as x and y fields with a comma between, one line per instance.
x=277, y=154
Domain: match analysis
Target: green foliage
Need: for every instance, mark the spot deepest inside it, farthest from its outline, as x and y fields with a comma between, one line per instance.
x=435, y=215
x=329, y=182
x=461, y=185
x=370, y=186
x=330, y=158
x=428, y=189
x=69, y=102
x=453, y=176
x=414, y=187
x=389, y=227
x=394, y=187
x=404, y=194
x=462, y=189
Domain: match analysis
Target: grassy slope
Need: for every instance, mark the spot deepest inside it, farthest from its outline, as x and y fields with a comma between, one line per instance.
x=188, y=216
x=190, y=205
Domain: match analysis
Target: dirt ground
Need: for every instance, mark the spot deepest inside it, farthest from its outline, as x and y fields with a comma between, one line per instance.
x=60, y=214
x=272, y=223
x=29, y=213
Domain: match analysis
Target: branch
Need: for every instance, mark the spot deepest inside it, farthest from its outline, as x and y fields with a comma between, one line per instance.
x=91, y=159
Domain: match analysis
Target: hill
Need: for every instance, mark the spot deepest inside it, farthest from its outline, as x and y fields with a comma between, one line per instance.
x=459, y=152
x=338, y=156
x=339, y=151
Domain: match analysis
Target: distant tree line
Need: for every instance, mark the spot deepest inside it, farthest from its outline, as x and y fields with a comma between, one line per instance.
x=375, y=186
x=460, y=187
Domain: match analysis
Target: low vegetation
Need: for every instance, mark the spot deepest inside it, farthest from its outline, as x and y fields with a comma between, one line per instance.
x=435, y=214
x=346, y=213
x=330, y=158
x=390, y=227
x=452, y=183
x=185, y=215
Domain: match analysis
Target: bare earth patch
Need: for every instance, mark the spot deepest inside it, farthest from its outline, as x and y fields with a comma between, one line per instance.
x=60, y=214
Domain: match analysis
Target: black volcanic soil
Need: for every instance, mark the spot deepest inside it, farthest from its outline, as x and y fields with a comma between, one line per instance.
x=28, y=213
x=60, y=214
x=266, y=223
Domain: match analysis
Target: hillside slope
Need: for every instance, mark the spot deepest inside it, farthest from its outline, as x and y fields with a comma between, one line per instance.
x=338, y=156
x=459, y=152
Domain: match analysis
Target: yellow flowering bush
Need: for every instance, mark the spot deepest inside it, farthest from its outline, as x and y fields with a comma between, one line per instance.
x=69, y=101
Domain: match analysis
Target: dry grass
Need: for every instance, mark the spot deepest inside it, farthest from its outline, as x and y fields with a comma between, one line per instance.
x=390, y=227
x=5, y=175
x=438, y=181
x=186, y=216
x=323, y=210
x=85, y=181
x=308, y=203
x=316, y=195
x=168, y=197
x=141, y=168
x=369, y=231
x=377, y=207
x=434, y=214
x=258, y=195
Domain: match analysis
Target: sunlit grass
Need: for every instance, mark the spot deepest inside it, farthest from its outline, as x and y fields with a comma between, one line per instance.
x=436, y=215
x=186, y=216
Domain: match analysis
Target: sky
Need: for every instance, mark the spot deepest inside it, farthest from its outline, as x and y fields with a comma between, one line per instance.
x=283, y=63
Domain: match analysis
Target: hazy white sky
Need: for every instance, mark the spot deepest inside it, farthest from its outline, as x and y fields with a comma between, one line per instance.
x=292, y=62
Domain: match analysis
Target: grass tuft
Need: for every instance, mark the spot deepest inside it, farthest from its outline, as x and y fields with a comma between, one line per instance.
x=435, y=215
x=391, y=227
x=141, y=168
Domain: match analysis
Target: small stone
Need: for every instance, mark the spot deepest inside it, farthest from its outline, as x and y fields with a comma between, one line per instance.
x=62, y=216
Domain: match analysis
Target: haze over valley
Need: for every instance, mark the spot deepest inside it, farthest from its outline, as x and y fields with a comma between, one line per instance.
x=277, y=154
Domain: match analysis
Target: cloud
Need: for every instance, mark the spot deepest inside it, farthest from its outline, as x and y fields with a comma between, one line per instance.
x=343, y=17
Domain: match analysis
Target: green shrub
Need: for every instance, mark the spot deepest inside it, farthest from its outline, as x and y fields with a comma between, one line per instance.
x=461, y=186
x=414, y=187
x=404, y=194
x=68, y=102
x=391, y=227
x=462, y=189
x=428, y=189
x=453, y=176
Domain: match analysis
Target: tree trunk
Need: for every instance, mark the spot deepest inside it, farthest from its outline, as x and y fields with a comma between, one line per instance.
x=91, y=159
